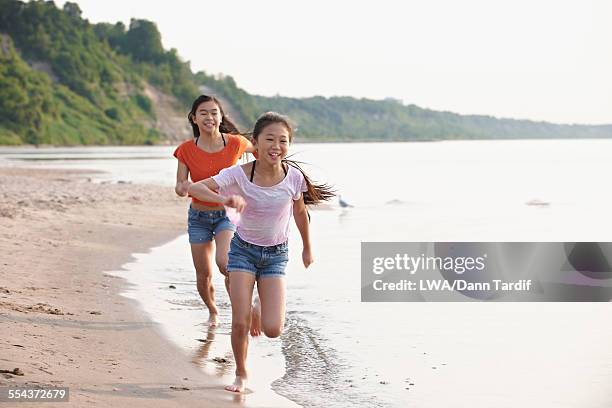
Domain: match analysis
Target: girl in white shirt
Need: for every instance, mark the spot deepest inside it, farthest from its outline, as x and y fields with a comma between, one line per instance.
x=266, y=192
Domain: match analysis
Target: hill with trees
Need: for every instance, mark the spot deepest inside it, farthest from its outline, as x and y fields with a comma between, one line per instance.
x=65, y=81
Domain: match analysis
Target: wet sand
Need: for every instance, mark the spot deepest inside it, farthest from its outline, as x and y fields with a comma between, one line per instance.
x=62, y=319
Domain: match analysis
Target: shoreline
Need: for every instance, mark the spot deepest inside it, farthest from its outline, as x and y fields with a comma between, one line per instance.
x=65, y=322
x=163, y=283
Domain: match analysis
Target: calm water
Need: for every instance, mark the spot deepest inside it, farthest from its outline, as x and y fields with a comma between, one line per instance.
x=339, y=352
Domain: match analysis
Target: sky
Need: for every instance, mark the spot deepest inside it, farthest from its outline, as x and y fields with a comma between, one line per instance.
x=526, y=59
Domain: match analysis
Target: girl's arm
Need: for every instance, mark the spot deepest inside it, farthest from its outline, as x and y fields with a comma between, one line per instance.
x=182, y=183
x=249, y=147
x=301, y=220
x=205, y=191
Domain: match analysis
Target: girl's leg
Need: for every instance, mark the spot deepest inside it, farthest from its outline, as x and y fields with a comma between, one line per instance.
x=241, y=292
x=256, y=317
x=222, y=240
x=272, y=297
x=202, y=260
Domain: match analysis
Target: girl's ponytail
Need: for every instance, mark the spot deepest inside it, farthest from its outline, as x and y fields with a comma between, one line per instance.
x=316, y=192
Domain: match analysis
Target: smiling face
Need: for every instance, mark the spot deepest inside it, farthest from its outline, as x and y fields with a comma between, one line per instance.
x=207, y=117
x=272, y=143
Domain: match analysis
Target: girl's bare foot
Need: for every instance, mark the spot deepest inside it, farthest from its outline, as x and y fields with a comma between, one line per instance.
x=256, y=318
x=213, y=320
x=239, y=384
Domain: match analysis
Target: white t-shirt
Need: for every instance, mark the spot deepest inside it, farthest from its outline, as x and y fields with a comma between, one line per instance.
x=265, y=219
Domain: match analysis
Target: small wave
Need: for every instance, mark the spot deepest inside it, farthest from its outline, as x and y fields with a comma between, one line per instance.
x=315, y=375
x=395, y=201
x=194, y=303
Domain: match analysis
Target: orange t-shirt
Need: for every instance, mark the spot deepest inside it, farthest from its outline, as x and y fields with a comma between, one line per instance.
x=203, y=165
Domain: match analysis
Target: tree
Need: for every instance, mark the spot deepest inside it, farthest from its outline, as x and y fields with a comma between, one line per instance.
x=143, y=41
x=72, y=10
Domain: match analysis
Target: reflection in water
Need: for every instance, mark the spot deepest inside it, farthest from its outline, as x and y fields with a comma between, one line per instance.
x=221, y=366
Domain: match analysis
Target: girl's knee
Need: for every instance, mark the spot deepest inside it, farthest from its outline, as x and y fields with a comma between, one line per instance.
x=203, y=273
x=241, y=327
x=222, y=263
x=273, y=331
x=204, y=282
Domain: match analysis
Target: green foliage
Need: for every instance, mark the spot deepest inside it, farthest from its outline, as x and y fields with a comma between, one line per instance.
x=351, y=119
x=26, y=99
x=90, y=90
x=112, y=113
x=143, y=42
x=144, y=103
x=36, y=110
x=8, y=138
x=142, y=45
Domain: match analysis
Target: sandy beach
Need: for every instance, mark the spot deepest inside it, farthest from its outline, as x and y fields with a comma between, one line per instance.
x=63, y=320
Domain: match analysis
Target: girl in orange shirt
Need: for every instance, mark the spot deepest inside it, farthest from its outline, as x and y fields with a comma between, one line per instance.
x=217, y=144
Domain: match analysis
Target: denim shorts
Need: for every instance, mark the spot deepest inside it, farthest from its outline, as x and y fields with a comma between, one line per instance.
x=261, y=261
x=202, y=226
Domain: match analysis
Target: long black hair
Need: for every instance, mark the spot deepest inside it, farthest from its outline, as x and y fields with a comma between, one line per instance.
x=226, y=126
x=316, y=192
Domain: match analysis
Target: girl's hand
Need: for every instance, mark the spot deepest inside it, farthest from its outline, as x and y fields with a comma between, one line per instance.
x=307, y=257
x=235, y=201
x=182, y=187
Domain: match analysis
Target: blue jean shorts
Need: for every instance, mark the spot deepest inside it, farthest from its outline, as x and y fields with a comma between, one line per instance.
x=262, y=262
x=202, y=226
